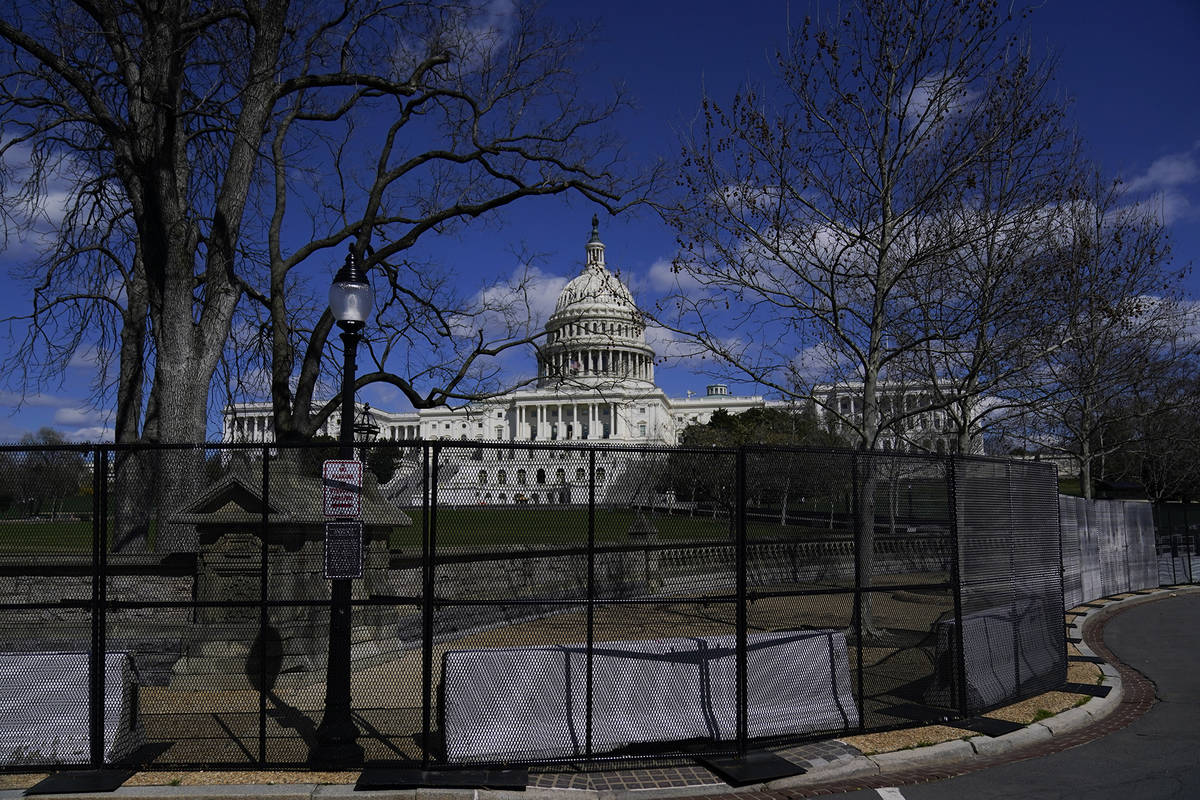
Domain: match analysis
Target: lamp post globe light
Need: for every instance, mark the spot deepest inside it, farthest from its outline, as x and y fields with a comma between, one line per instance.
x=337, y=745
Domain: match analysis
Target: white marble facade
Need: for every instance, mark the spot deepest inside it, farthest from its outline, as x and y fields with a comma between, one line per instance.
x=595, y=384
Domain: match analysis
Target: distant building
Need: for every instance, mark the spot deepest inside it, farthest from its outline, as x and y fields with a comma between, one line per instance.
x=926, y=429
x=595, y=384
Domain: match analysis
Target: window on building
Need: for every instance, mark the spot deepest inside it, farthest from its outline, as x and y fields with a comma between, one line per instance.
x=541, y=476
x=600, y=475
x=520, y=477
x=642, y=429
x=483, y=477
x=502, y=478
x=560, y=475
x=579, y=473
x=499, y=431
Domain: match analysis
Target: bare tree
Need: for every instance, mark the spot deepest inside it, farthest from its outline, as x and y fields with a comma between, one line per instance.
x=817, y=212
x=181, y=133
x=990, y=319
x=1161, y=439
x=483, y=116
x=1125, y=333
x=47, y=473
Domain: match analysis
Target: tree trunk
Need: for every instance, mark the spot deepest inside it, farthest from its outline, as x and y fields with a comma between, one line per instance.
x=133, y=478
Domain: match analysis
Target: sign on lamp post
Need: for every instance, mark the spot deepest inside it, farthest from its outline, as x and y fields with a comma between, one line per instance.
x=342, y=481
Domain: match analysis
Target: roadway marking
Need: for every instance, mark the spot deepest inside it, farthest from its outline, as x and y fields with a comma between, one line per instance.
x=890, y=793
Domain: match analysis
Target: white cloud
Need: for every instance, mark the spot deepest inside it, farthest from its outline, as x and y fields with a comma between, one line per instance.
x=1172, y=170
x=935, y=98
x=474, y=34
x=1171, y=182
x=92, y=433
x=88, y=357
x=38, y=400
x=1174, y=206
x=528, y=296
x=79, y=415
x=43, y=199
x=663, y=277
x=671, y=346
x=821, y=363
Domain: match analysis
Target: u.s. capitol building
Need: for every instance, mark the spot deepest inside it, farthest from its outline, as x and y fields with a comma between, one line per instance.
x=595, y=385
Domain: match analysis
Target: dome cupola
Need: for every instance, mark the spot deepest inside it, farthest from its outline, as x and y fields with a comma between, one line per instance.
x=596, y=335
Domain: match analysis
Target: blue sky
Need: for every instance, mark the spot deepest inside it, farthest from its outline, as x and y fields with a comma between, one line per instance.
x=1128, y=70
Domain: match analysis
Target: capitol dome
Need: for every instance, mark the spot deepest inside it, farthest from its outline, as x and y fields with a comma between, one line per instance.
x=596, y=287
x=596, y=335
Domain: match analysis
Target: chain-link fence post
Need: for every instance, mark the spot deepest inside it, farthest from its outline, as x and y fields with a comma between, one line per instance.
x=960, y=655
x=264, y=618
x=740, y=533
x=857, y=613
x=428, y=554
x=99, y=601
x=591, y=592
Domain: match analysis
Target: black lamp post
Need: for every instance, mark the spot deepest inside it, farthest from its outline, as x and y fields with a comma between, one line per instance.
x=337, y=737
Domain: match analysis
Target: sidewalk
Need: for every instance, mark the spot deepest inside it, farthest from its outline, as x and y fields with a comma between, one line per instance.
x=846, y=764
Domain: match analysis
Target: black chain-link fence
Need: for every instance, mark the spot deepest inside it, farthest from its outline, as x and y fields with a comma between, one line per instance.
x=517, y=604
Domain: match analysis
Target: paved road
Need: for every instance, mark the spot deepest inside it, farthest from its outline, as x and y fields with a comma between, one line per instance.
x=1157, y=756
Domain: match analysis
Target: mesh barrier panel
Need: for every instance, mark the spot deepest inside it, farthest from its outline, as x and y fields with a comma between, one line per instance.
x=1109, y=547
x=1142, y=558
x=1012, y=592
x=535, y=602
x=1068, y=524
x=46, y=614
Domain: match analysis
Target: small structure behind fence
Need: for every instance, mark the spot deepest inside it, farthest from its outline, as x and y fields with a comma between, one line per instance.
x=597, y=603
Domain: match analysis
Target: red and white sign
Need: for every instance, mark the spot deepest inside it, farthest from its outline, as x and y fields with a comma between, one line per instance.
x=342, y=480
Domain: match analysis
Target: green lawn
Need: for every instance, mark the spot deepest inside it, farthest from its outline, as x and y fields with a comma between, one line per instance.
x=45, y=536
x=540, y=526
x=531, y=525
x=472, y=527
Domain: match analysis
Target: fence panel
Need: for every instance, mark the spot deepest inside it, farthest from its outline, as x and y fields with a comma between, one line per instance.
x=533, y=602
x=1012, y=631
x=1108, y=548
x=51, y=656
x=510, y=561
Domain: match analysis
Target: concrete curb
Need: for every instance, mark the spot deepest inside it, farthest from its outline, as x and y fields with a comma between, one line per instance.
x=951, y=752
